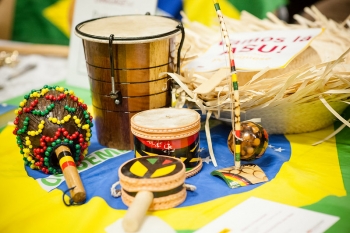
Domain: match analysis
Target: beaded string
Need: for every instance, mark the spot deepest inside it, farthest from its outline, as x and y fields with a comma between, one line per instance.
x=36, y=147
x=236, y=124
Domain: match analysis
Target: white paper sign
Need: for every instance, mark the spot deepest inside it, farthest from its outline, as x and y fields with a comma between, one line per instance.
x=90, y=9
x=256, y=50
x=257, y=215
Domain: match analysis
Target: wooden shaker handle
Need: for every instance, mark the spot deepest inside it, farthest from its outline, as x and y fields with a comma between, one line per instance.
x=70, y=173
x=137, y=211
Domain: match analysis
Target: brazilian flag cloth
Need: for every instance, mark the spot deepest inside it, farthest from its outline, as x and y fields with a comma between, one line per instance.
x=42, y=21
x=203, y=12
x=47, y=21
x=310, y=177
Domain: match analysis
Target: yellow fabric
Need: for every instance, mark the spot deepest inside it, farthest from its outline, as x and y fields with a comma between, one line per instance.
x=58, y=14
x=294, y=185
x=204, y=11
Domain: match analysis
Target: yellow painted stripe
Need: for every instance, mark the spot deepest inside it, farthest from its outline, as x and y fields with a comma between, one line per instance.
x=65, y=159
x=137, y=154
x=163, y=171
x=238, y=148
x=194, y=160
x=234, y=77
x=149, y=153
x=194, y=147
x=138, y=169
x=183, y=158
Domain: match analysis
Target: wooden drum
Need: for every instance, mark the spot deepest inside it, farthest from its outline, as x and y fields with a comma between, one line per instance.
x=169, y=132
x=124, y=58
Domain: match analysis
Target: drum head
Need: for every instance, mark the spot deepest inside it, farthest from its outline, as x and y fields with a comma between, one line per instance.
x=166, y=120
x=128, y=29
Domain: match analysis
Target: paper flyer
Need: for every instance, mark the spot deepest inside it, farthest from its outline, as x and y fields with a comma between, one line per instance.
x=257, y=215
x=256, y=50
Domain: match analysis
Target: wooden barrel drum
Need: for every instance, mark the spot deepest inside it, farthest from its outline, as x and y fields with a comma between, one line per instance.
x=125, y=56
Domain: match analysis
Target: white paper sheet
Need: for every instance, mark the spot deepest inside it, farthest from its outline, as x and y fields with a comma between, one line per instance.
x=257, y=215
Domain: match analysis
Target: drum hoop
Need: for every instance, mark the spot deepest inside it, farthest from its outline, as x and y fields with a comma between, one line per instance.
x=179, y=128
x=164, y=138
x=165, y=134
x=77, y=30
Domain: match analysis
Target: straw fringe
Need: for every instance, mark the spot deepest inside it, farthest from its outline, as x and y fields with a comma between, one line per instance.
x=286, y=100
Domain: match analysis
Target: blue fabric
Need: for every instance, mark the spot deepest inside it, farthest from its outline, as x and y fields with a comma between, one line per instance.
x=172, y=7
x=102, y=176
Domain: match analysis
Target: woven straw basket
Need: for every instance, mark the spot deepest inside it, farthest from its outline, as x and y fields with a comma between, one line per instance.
x=299, y=118
x=286, y=103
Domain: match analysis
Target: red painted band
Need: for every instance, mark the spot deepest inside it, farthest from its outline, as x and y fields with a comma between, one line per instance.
x=67, y=164
x=165, y=144
x=238, y=133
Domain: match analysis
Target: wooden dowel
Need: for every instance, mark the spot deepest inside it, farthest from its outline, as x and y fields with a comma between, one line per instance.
x=71, y=174
x=136, y=213
x=41, y=49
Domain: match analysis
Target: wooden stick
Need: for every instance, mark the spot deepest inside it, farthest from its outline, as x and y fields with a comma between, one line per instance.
x=136, y=213
x=41, y=49
x=71, y=174
x=236, y=122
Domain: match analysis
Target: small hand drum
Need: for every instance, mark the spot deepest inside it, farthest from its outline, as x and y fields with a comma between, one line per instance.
x=173, y=132
x=150, y=183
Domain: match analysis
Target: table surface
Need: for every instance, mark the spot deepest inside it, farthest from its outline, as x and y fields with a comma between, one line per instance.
x=310, y=177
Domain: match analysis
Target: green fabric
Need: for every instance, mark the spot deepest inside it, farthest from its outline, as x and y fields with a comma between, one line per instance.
x=31, y=26
x=338, y=206
x=259, y=8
